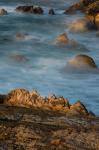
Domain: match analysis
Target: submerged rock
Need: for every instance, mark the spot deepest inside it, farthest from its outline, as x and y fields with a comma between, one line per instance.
x=30, y=9
x=3, y=12
x=82, y=61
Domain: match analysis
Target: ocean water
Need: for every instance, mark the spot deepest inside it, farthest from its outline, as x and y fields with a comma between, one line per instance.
x=36, y=62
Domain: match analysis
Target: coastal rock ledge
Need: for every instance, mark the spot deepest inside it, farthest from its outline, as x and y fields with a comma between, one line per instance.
x=29, y=121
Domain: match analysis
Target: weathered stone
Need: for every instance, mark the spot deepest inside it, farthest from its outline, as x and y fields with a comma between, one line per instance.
x=62, y=39
x=3, y=12
x=82, y=61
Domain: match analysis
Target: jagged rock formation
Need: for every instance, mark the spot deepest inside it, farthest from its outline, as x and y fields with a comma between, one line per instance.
x=47, y=124
x=32, y=99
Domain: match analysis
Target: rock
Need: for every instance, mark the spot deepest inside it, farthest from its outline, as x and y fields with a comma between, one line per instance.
x=81, y=25
x=79, y=107
x=82, y=61
x=39, y=129
x=51, y=12
x=97, y=20
x=62, y=39
x=3, y=12
x=25, y=9
x=30, y=9
x=59, y=102
x=19, y=58
x=37, y=10
x=32, y=99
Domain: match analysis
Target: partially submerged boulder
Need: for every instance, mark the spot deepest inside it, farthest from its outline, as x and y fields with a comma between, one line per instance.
x=30, y=9
x=51, y=12
x=62, y=39
x=82, y=62
x=3, y=12
x=81, y=25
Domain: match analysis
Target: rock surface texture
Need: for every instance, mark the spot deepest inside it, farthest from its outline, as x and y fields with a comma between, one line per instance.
x=49, y=123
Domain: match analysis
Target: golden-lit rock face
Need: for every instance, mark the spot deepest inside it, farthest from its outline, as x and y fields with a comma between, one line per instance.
x=32, y=99
x=82, y=61
x=80, y=25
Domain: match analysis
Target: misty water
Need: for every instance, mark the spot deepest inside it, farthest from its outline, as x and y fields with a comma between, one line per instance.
x=37, y=62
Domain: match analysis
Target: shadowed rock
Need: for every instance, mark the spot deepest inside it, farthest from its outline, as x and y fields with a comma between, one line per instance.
x=30, y=9
x=3, y=12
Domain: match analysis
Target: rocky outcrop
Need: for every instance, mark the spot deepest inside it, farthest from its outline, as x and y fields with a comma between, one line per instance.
x=89, y=7
x=44, y=129
x=30, y=9
x=3, y=12
x=82, y=62
x=32, y=99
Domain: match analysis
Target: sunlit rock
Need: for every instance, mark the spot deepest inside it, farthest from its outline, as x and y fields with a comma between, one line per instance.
x=62, y=39
x=80, y=25
x=82, y=61
x=78, y=107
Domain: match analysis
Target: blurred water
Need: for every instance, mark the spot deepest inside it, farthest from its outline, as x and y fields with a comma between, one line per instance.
x=36, y=62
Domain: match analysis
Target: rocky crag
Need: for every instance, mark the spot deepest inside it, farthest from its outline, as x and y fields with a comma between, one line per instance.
x=29, y=121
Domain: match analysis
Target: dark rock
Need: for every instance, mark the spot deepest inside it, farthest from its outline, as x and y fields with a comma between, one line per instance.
x=51, y=12
x=3, y=12
x=30, y=9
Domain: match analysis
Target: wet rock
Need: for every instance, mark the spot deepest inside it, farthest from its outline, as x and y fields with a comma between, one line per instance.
x=3, y=12
x=81, y=25
x=30, y=9
x=37, y=10
x=51, y=12
x=62, y=39
x=82, y=61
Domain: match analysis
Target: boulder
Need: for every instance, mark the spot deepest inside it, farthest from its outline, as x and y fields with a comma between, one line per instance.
x=62, y=39
x=51, y=12
x=81, y=25
x=30, y=9
x=82, y=61
x=3, y=12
